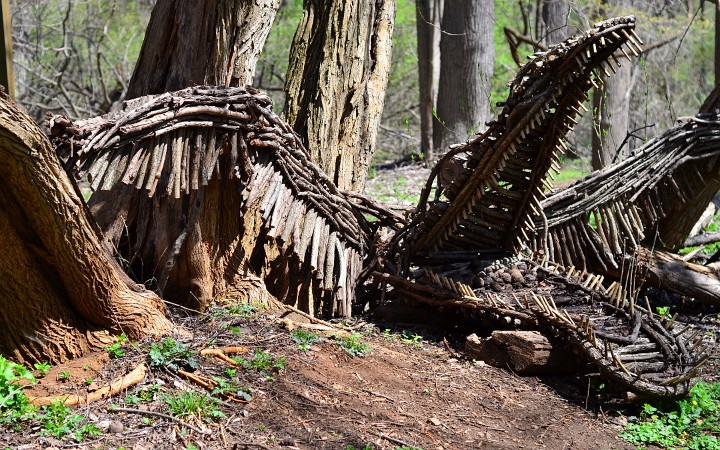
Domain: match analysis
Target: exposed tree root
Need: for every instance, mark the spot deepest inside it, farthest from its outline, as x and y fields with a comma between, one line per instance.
x=131, y=379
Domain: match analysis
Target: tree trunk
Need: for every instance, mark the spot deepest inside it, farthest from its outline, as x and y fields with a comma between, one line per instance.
x=62, y=294
x=201, y=43
x=335, y=87
x=555, y=17
x=467, y=54
x=611, y=106
x=428, y=14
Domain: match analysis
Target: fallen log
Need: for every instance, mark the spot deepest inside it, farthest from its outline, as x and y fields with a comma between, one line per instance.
x=523, y=352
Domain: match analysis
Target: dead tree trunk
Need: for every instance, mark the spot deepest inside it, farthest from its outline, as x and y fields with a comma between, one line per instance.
x=201, y=43
x=335, y=86
x=62, y=294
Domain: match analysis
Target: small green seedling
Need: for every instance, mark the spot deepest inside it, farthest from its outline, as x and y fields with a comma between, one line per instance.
x=43, y=368
x=353, y=346
x=663, y=312
x=115, y=350
x=305, y=339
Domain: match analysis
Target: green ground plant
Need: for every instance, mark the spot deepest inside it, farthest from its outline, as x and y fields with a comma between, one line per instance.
x=14, y=404
x=193, y=404
x=173, y=355
x=305, y=339
x=352, y=345
x=115, y=350
x=244, y=310
x=43, y=368
x=227, y=387
x=692, y=423
x=59, y=421
x=262, y=361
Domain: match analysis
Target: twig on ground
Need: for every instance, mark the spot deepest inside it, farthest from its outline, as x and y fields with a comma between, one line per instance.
x=158, y=414
x=396, y=441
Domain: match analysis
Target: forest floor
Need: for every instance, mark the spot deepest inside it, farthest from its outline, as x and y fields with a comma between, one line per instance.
x=412, y=389
x=380, y=382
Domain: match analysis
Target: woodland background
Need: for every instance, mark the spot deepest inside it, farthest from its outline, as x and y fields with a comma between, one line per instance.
x=76, y=57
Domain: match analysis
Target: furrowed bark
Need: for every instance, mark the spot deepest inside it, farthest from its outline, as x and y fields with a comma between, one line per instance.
x=62, y=293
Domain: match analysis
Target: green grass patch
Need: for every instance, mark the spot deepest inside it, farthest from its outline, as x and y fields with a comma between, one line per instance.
x=193, y=404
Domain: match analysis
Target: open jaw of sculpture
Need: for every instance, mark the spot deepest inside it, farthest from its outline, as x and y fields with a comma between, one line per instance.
x=487, y=189
x=488, y=202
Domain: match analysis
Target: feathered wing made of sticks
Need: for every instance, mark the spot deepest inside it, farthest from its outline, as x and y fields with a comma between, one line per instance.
x=171, y=150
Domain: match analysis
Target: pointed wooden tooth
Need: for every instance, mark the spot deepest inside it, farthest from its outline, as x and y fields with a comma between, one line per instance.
x=629, y=45
x=612, y=68
x=605, y=71
x=594, y=48
x=622, y=49
x=649, y=309
x=583, y=107
x=570, y=271
x=637, y=38
x=615, y=35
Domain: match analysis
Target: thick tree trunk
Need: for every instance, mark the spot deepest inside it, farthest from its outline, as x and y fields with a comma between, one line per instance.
x=467, y=54
x=206, y=42
x=335, y=87
x=428, y=14
x=62, y=294
x=611, y=106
